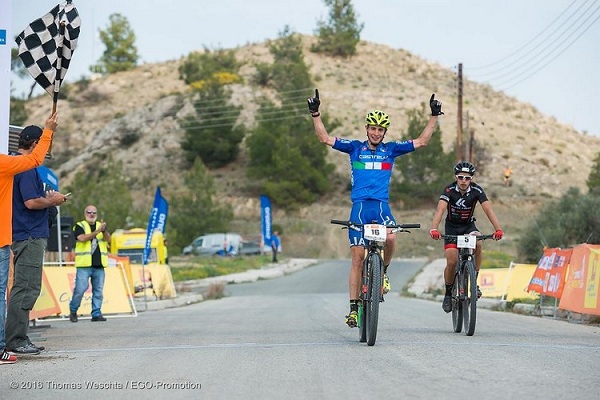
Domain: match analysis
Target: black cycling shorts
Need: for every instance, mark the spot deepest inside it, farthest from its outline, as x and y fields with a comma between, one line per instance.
x=451, y=229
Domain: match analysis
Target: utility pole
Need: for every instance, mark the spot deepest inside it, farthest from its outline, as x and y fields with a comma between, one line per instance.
x=472, y=152
x=459, y=133
x=466, y=154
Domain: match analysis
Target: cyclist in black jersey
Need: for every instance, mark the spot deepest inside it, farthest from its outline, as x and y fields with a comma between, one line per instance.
x=458, y=201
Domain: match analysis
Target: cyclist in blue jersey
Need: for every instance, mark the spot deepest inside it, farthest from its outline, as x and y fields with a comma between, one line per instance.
x=371, y=164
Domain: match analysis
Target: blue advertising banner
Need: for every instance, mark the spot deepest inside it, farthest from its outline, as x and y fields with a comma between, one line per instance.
x=157, y=221
x=48, y=177
x=265, y=219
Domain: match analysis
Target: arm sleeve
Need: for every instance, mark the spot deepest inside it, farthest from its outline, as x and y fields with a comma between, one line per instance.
x=11, y=166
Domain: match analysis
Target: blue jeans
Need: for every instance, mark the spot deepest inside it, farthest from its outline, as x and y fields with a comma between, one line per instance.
x=85, y=274
x=4, y=265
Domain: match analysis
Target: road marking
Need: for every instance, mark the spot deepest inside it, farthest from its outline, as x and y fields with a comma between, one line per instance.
x=381, y=343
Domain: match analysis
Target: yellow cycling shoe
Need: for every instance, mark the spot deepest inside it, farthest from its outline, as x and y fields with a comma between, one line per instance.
x=352, y=319
x=386, y=284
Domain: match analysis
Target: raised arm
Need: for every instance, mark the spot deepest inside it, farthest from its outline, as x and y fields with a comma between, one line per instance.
x=320, y=131
x=425, y=136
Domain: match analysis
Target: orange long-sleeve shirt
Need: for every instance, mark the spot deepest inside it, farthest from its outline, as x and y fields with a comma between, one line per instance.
x=9, y=167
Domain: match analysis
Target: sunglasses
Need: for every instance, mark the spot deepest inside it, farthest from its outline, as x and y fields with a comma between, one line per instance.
x=464, y=177
x=91, y=212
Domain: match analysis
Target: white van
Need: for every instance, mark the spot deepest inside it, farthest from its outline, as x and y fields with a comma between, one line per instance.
x=213, y=243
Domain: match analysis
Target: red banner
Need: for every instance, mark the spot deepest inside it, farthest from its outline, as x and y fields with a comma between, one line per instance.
x=549, y=276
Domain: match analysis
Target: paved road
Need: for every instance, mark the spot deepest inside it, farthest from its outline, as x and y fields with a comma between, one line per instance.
x=285, y=338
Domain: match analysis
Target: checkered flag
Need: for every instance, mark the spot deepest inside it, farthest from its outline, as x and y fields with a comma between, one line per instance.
x=47, y=44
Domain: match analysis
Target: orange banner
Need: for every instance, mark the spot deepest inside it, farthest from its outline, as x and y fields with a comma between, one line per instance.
x=116, y=299
x=582, y=283
x=549, y=276
x=46, y=304
x=122, y=262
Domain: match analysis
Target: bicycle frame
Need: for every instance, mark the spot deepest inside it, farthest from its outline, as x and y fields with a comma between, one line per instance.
x=371, y=289
x=464, y=290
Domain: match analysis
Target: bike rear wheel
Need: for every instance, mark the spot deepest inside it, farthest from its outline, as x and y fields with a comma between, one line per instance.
x=470, y=302
x=457, y=310
x=375, y=266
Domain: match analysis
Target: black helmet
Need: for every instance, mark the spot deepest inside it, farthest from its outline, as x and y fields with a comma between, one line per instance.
x=464, y=166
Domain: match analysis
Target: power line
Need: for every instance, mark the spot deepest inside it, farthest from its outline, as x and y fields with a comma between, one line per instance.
x=553, y=58
x=529, y=42
x=549, y=46
x=537, y=61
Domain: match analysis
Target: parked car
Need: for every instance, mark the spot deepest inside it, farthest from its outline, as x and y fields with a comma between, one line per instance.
x=214, y=243
x=248, y=248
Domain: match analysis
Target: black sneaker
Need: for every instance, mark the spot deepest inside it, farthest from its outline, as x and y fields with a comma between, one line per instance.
x=98, y=318
x=73, y=317
x=40, y=348
x=447, y=304
x=478, y=292
x=25, y=350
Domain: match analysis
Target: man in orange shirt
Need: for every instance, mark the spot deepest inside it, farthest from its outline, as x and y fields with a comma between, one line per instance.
x=9, y=167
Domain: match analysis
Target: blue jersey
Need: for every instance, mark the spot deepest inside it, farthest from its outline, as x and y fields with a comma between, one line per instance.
x=28, y=223
x=371, y=169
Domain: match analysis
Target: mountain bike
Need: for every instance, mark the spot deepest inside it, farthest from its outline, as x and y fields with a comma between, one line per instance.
x=371, y=293
x=464, y=290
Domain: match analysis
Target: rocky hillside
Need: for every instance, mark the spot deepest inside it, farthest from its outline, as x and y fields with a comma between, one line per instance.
x=144, y=104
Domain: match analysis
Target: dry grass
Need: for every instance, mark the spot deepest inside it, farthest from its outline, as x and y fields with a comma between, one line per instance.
x=534, y=145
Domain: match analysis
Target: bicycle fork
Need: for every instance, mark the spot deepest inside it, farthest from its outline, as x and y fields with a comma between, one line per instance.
x=460, y=277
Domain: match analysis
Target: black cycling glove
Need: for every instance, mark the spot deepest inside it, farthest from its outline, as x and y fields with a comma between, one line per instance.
x=314, y=103
x=435, y=105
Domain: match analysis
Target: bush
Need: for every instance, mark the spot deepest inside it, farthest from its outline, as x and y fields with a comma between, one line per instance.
x=573, y=219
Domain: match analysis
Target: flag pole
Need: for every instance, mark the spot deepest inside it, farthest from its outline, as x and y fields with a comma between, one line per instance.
x=57, y=79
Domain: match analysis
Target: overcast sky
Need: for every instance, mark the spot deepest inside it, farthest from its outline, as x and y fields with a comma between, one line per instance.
x=543, y=52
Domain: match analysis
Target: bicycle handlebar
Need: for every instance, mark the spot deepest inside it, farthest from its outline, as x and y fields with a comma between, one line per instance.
x=350, y=224
x=479, y=237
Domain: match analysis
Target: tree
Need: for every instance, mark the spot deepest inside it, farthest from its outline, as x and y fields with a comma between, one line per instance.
x=108, y=190
x=200, y=67
x=195, y=212
x=211, y=133
x=18, y=114
x=120, y=54
x=339, y=36
x=423, y=173
x=289, y=162
x=565, y=222
x=593, y=182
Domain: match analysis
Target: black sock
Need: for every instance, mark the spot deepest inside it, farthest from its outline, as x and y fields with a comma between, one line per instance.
x=354, y=305
x=449, y=289
x=385, y=268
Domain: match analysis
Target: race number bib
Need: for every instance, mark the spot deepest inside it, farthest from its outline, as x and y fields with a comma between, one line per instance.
x=466, y=242
x=375, y=232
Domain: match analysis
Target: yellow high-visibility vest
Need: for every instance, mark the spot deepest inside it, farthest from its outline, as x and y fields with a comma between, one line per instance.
x=83, y=250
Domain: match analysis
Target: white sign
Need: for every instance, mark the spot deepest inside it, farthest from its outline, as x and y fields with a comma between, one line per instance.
x=375, y=232
x=6, y=41
x=466, y=242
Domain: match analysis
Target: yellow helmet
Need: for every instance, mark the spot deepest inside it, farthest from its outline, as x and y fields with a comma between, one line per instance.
x=378, y=118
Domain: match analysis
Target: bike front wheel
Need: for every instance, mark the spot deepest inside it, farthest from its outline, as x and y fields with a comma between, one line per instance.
x=375, y=266
x=470, y=302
